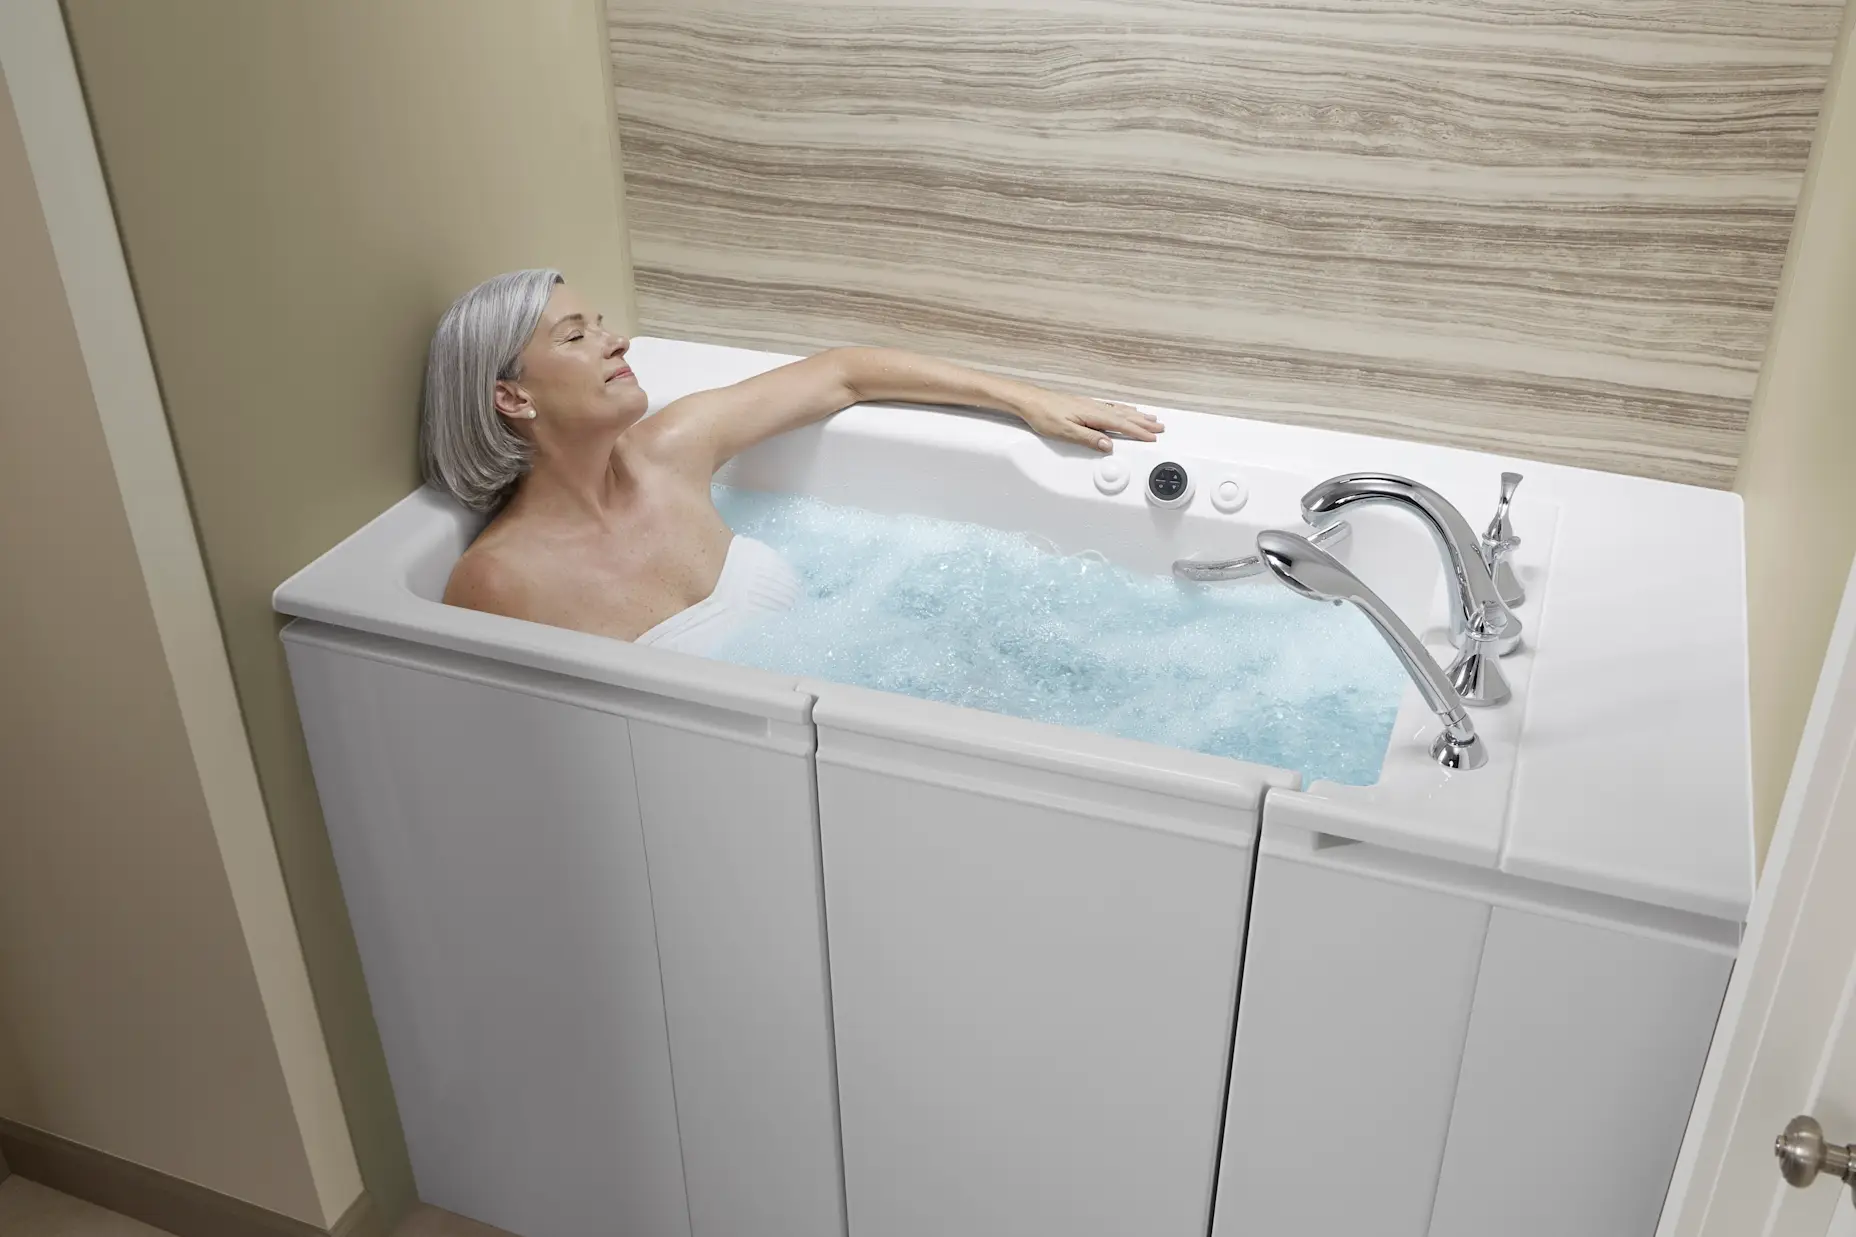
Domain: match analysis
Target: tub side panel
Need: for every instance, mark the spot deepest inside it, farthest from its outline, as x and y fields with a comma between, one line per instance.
x=1585, y=1049
x=492, y=859
x=1033, y=998
x=731, y=831
x=1356, y=1001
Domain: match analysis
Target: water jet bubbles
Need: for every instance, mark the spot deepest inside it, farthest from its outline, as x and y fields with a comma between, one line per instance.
x=996, y=620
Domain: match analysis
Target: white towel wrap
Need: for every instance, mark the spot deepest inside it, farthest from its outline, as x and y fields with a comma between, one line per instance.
x=755, y=580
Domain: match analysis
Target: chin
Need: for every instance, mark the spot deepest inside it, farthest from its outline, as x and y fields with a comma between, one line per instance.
x=629, y=399
x=632, y=405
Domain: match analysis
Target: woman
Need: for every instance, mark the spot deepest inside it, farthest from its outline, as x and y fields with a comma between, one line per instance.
x=602, y=517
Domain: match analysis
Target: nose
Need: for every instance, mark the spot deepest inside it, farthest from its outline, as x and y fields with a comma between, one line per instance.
x=616, y=345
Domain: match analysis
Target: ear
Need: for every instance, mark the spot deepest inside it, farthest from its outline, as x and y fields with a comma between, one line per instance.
x=511, y=400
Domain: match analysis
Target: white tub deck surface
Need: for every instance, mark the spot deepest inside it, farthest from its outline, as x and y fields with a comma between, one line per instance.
x=1622, y=767
x=717, y=950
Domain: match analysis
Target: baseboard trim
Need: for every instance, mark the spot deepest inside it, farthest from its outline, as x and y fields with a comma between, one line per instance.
x=141, y=1193
x=360, y=1220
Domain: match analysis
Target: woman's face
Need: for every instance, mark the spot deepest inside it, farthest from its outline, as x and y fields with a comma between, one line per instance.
x=573, y=370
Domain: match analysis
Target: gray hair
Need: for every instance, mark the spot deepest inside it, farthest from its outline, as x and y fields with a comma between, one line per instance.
x=468, y=449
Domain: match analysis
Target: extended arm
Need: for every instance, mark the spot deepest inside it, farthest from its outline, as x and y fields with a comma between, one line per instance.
x=716, y=425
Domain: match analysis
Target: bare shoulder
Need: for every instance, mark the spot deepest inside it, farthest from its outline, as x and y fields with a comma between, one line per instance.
x=487, y=579
x=680, y=433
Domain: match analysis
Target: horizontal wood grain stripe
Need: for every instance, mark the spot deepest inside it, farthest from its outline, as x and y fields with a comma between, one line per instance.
x=1695, y=283
x=1519, y=225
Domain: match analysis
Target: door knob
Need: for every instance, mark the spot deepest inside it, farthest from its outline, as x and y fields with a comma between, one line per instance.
x=1803, y=1154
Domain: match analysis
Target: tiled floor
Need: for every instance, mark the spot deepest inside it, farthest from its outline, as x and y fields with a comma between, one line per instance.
x=28, y=1209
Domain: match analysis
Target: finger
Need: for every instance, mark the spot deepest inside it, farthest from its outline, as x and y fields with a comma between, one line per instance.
x=1130, y=419
x=1122, y=425
x=1089, y=436
x=1128, y=410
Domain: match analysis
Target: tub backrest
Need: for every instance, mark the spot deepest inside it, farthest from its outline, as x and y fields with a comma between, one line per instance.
x=444, y=531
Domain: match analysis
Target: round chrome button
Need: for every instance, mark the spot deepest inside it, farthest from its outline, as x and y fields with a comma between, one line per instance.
x=1112, y=474
x=1229, y=495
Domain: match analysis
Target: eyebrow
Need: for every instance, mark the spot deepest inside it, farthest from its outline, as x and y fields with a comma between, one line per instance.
x=575, y=319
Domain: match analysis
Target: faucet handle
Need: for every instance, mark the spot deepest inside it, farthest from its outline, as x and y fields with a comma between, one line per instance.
x=1500, y=527
x=1498, y=545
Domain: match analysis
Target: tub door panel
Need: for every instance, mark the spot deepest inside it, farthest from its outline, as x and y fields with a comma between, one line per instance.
x=1357, y=995
x=1033, y=980
x=730, y=831
x=493, y=863
x=1585, y=1048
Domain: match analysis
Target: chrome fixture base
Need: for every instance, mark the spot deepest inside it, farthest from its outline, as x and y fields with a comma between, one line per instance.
x=1478, y=677
x=1506, y=582
x=1455, y=753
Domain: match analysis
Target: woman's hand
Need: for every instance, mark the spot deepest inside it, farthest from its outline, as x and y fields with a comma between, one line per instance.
x=1072, y=418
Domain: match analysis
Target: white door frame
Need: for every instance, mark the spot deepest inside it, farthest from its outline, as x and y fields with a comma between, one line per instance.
x=1785, y=1000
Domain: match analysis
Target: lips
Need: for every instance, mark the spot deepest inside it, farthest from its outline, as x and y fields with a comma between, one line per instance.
x=623, y=371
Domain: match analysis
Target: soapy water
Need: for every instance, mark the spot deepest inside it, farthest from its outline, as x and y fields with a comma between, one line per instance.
x=975, y=616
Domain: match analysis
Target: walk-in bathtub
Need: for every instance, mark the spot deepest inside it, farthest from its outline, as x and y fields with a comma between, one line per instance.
x=665, y=945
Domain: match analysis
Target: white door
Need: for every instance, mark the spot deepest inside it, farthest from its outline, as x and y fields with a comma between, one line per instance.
x=1033, y=971
x=1787, y=1043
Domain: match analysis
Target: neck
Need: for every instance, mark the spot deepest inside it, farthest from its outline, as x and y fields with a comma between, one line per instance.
x=576, y=483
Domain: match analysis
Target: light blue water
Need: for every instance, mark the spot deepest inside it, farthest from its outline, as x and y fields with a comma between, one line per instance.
x=975, y=616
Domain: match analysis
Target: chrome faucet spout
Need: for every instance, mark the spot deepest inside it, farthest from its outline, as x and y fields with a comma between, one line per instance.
x=1481, y=624
x=1479, y=609
x=1314, y=573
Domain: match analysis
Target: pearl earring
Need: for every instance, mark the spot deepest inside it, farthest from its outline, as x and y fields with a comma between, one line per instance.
x=531, y=414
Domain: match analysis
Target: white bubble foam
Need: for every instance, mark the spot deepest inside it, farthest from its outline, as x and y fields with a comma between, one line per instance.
x=974, y=616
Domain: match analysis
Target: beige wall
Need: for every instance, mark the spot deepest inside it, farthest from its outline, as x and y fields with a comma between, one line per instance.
x=302, y=186
x=1798, y=473
x=134, y=1016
